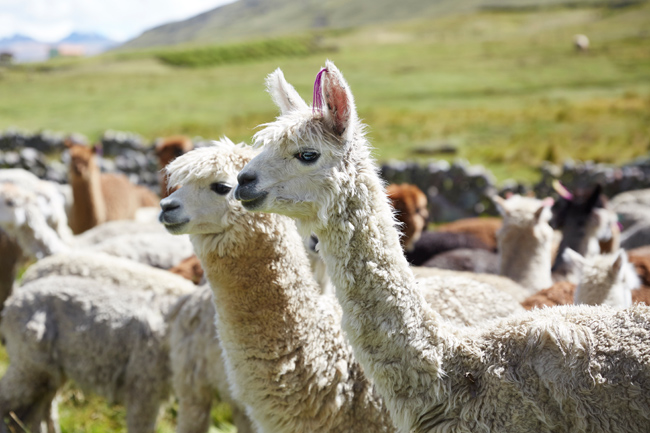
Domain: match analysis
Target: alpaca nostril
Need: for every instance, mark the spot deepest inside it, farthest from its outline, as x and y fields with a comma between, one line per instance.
x=244, y=178
x=168, y=204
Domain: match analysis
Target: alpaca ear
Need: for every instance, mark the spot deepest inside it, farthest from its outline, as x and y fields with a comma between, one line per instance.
x=594, y=198
x=500, y=203
x=543, y=214
x=283, y=93
x=619, y=262
x=573, y=258
x=338, y=104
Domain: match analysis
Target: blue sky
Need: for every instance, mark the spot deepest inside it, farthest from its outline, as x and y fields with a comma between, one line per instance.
x=52, y=20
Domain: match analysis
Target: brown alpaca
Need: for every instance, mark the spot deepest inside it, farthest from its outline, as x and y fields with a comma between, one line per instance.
x=411, y=206
x=485, y=229
x=190, y=269
x=100, y=197
x=560, y=293
x=167, y=150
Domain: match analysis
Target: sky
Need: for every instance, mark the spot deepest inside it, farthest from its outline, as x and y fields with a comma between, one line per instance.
x=120, y=20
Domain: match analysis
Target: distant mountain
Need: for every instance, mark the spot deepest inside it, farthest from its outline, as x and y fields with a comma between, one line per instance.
x=16, y=38
x=26, y=49
x=255, y=18
x=86, y=38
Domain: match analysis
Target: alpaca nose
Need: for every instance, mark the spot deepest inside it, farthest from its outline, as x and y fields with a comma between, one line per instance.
x=168, y=204
x=244, y=178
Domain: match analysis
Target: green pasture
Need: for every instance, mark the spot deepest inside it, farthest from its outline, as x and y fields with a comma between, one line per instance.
x=505, y=88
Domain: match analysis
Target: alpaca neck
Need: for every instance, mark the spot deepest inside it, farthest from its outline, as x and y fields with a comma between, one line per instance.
x=88, y=208
x=394, y=333
x=525, y=259
x=278, y=337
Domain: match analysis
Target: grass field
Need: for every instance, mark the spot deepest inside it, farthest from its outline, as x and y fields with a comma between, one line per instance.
x=504, y=87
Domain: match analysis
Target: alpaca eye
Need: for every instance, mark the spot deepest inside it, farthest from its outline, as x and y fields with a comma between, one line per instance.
x=309, y=156
x=220, y=188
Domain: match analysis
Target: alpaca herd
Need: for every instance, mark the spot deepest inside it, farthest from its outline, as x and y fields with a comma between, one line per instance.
x=317, y=299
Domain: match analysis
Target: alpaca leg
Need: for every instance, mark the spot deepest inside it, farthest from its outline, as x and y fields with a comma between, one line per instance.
x=28, y=403
x=141, y=413
x=53, y=425
x=194, y=414
x=20, y=393
x=241, y=419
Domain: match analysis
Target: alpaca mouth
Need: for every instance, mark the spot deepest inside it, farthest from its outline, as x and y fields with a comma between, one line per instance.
x=249, y=199
x=175, y=228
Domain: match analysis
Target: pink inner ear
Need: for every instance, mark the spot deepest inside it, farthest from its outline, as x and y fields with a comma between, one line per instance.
x=548, y=201
x=317, y=104
x=338, y=104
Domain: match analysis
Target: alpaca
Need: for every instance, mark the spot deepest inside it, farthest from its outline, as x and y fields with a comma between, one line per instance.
x=485, y=229
x=604, y=279
x=560, y=293
x=584, y=221
x=410, y=205
x=466, y=259
x=281, y=339
x=121, y=353
x=503, y=284
x=525, y=241
x=101, y=197
x=21, y=217
x=581, y=43
x=550, y=370
x=432, y=244
x=167, y=150
x=197, y=370
x=190, y=269
x=286, y=356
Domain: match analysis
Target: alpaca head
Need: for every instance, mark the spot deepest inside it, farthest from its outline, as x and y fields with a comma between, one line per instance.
x=308, y=153
x=603, y=279
x=525, y=215
x=410, y=205
x=14, y=204
x=171, y=148
x=203, y=204
x=24, y=216
x=82, y=161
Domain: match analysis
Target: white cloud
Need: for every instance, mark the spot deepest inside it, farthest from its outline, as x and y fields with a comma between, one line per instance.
x=51, y=20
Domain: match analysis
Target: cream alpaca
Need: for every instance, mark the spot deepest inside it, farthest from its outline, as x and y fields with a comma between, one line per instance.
x=525, y=241
x=551, y=370
x=287, y=355
x=604, y=279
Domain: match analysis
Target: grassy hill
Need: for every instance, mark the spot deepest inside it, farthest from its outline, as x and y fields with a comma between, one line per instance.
x=255, y=18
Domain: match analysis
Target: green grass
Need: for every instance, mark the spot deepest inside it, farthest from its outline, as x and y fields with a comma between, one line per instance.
x=505, y=88
x=84, y=413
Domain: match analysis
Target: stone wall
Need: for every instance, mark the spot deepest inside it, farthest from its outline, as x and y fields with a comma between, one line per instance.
x=456, y=190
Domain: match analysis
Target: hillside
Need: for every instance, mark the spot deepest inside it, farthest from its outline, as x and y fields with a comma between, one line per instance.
x=254, y=18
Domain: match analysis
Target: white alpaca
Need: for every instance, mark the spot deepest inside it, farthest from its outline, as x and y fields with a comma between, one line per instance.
x=287, y=356
x=604, y=279
x=525, y=241
x=108, y=339
x=197, y=371
x=23, y=219
x=575, y=368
